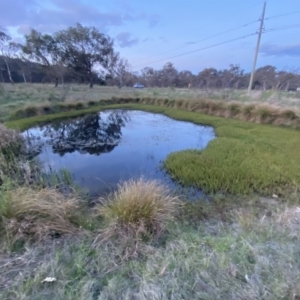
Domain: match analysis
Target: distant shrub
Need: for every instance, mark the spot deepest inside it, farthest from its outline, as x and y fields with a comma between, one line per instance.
x=91, y=103
x=26, y=112
x=79, y=105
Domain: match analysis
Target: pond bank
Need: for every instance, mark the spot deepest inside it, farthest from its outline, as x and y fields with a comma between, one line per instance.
x=245, y=158
x=251, y=112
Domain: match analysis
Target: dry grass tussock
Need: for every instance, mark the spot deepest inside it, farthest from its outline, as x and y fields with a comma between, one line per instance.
x=253, y=112
x=28, y=214
x=250, y=111
x=9, y=138
x=11, y=148
x=139, y=209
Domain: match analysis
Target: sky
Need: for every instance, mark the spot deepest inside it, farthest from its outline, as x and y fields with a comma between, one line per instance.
x=152, y=33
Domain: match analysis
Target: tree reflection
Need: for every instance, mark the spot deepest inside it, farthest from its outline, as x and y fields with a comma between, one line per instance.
x=93, y=134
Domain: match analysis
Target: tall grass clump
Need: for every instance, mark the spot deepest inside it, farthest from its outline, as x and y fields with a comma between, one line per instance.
x=11, y=148
x=9, y=139
x=138, y=208
x=27, y=214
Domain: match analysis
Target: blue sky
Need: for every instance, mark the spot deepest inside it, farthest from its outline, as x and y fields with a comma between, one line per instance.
x=144, y=30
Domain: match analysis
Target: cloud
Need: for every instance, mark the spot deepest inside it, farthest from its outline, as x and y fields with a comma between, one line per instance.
x=154, y=20
x=53, y=15
x=277, y=50
x=163, y=39
x=123, y=4
x=125, y=40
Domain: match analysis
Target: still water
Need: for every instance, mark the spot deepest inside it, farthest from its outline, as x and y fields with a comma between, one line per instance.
x=103, y=149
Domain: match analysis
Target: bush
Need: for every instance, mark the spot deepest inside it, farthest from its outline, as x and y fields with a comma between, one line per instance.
x=138, y=207
x=79, y=105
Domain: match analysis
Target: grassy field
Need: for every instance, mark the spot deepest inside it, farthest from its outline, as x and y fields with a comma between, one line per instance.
x=16, y=96
x=142, y=241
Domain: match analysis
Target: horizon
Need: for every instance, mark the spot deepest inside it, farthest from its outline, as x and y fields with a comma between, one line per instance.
x=150, y=35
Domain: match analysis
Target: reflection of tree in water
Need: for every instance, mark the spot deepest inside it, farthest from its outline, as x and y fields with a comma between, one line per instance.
x=91, y=134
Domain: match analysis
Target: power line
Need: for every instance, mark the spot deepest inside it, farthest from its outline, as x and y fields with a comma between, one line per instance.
x=282, y=28
x=282, y=15
x=210, y=37
x=197, y=50
x=219, y=34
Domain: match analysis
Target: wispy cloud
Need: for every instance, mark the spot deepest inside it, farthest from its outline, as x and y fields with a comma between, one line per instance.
x=52, y=15
x=280, y=51
x=154, y=20
x=163, y=39
x=124, y=39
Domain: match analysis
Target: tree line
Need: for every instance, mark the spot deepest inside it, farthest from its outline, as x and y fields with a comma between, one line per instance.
x=266, y=78
x=85, y=55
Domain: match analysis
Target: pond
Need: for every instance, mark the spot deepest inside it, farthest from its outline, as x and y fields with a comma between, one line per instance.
x=100, y=150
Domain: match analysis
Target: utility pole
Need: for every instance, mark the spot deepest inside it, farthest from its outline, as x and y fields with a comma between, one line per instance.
x=257, y=47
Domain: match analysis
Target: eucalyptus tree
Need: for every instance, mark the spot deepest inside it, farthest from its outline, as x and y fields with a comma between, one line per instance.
x=8, y=50
x=119, y=70
x=42, y=48
x=84, y=49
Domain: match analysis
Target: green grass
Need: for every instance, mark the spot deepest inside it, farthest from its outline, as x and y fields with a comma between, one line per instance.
x=245, y=158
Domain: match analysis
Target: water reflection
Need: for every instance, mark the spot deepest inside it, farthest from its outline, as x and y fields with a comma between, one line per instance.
x=101, y=149
x=92, y=134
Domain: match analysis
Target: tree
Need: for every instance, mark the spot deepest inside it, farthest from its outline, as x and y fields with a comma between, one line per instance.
x=208, y=78
x=43, y=49
x=231, y=77
x=84, y=49
x=265, y=77
x=119, y=68
x=149, y=77
x=91, y=134
x=7, y=50
x=186, y=78
x=169, y=75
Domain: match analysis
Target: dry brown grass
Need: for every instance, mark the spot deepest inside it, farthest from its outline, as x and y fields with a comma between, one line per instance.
x=9, y=137
x=32, y=215
x=252, y=112
x=139, y=209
